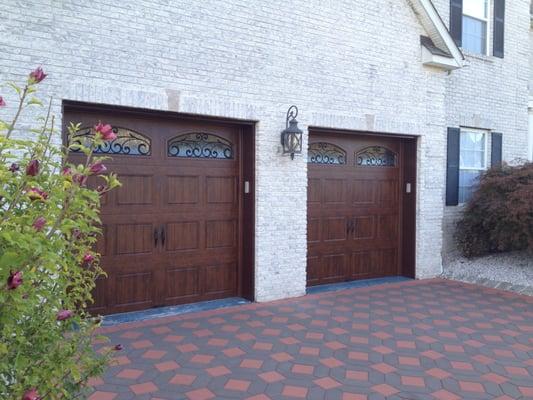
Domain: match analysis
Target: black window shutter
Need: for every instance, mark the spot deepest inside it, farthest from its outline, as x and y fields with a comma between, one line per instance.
x=496, y=150
x=452, y=167
x=456, y=21
x=499, y=28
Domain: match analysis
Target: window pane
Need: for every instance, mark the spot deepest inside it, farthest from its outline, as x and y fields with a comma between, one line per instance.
x=468, y=181
x=474, y=35
x=472, y=141
x=467, y=159
x=476, y=8
x=479, y=159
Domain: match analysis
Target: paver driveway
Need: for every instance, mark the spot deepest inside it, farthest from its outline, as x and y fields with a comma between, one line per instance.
x=429, y=339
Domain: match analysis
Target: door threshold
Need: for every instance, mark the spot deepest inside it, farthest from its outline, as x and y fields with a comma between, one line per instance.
x=160, y=312
x=335, y=287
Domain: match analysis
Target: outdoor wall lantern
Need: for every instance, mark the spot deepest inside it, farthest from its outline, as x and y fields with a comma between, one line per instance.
x=291, y=137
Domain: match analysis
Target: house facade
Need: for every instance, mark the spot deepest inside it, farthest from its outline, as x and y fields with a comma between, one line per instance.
x=530, y=103
x=401, y=104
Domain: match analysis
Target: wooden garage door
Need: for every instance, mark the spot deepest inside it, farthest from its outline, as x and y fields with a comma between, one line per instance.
x=353, y=207
x=172, y=231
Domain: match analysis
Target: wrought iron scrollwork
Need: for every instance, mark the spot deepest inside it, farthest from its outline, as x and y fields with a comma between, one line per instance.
x=326, y=153
x=200, y=145
x=127, y=142
x=376, y=156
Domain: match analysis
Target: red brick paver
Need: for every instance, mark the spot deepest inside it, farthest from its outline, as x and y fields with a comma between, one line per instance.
x=434, y=340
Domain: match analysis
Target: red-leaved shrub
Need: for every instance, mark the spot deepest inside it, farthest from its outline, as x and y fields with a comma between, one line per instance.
x=499, y=217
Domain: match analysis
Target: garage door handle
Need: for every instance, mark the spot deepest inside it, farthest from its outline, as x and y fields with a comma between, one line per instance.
x=155, y=237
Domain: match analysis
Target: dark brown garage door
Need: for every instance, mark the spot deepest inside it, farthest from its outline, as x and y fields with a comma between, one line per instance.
x=354, y=207
x=172, y=232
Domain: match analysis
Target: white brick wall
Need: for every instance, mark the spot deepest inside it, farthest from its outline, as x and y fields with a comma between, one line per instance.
x=345, y=63
x=530, y=144
x=491, y=93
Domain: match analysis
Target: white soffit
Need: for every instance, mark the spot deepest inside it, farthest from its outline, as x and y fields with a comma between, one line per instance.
x=439, y=34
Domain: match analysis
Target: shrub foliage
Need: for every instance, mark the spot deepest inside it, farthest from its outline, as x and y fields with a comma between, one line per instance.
x=49, y=223
x=499, y=217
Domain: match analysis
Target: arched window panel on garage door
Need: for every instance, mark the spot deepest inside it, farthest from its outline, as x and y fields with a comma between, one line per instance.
x=200, y=145
x=127, y=142
x=376, y=156
x=326, y=153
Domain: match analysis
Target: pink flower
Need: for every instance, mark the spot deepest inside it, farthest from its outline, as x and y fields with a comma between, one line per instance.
x=33, y=168
x=66, y=171
x=80, y=179
x=97, y=168
x=14, y=167
x=2, y=102
x=64, y=314
x=37, y=75
x=39, y=224
x=37, y=194
x=118, y=347
x=105, y=131
x=31, y=395
x=14, y=280
x=88, y=258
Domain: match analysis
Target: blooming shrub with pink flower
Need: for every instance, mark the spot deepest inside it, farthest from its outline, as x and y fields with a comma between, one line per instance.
x=49, y=224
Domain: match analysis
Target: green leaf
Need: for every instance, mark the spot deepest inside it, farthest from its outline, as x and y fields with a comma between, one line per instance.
x=15, y=87
x=35, y=101
x=10, y=259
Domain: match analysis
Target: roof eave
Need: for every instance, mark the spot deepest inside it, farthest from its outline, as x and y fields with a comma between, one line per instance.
x=437, y=31
x=434, y=60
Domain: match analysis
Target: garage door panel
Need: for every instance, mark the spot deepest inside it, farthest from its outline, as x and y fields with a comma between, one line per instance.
x=314, y=191
x=334, y=192
x=363, y=192
x=134, y=238
x=388, y=228
x=135, y=190
x=364, y=227
x=183, y=235
x=134, y=289
x=313, y=230
x=183, y=189
x=99, y=294
x=313, y=269
x=334, y=229
x=364, y=264
x=388, y=193
x=389, y=261
x=220, y=278
x=182, y=283
x=220, y=233
x=221, y=190
x=332, y=267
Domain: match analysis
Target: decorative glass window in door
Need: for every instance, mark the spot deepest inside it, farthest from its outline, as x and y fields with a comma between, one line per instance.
x=127, y=142
x=325, y=153
x=200, y=145
x=376, y=156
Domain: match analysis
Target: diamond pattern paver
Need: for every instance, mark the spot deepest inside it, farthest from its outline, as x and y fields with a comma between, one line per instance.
x=433, y=339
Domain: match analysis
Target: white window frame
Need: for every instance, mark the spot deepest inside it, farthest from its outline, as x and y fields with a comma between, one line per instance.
x=487, y=21
x=486, y=155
